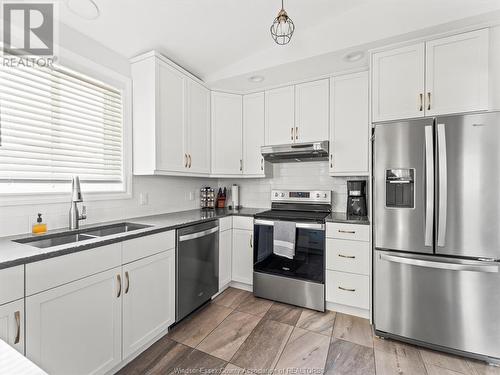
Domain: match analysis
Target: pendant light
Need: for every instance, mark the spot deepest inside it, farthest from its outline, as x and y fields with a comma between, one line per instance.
x=282, y=28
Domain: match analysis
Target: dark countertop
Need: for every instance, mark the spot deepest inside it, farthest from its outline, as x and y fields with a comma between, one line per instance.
x=13, y=253
x=341, y=217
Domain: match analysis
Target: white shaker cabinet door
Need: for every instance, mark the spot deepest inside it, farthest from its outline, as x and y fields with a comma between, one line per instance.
x=148, y=299
x=253, y=133
x=350, y=128
x=280, y=116
x=243, y=256
x=227, y=112
x=76, y=328
x=398, y=83
x=457, y=73
x=198, y=127
x=12, y=324
x=311, y=111
x=225, y=257
x=171, y=124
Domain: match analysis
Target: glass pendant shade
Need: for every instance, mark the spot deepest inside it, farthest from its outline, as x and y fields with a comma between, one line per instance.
x=282, y=28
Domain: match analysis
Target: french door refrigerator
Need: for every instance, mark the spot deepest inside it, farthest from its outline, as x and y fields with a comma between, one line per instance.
x=437, y=233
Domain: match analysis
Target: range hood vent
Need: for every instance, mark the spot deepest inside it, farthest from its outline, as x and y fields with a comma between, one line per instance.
x=295, y=152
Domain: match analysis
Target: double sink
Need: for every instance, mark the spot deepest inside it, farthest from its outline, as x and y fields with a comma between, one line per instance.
x=63, y=238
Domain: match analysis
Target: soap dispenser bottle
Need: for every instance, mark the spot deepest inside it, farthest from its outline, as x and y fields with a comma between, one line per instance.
x=39, y=227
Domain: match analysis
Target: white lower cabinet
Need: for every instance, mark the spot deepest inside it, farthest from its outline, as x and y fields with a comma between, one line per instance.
x=348, y=289
x=12, y=324
x=225, y=256
x=76, y=328
x=148, y=299
x=242, y=259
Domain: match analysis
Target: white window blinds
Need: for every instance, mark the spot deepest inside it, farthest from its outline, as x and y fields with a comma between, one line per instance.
x=55, y=123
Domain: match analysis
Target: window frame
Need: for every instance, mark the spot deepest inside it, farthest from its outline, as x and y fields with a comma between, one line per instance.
x=100, y=72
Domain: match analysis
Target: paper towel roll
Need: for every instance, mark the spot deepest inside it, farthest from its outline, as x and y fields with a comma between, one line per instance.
x=235, y=196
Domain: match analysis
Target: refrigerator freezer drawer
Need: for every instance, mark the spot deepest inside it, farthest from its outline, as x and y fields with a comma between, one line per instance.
x=348, y=289
x=440, y=301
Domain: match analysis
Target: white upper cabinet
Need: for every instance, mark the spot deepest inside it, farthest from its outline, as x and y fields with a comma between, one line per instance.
x=311, y=111
x=350, y=128
x=227, y=113
x=398, y=83
x=456, y=77
x=280, y=116
x=253, y=133
x=170, y=127
x=198, y=127
x=171, y=119
x=441, y=76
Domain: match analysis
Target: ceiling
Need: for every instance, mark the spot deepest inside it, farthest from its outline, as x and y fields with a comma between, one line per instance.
x=225, y=41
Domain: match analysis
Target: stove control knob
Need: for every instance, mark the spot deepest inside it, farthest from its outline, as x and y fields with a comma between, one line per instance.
x=325, y=196
x=276, y=194
x=317, y=195
x=282, y=195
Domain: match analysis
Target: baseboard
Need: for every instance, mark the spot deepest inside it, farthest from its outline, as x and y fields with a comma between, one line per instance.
x=243, y=286
x=349, y=310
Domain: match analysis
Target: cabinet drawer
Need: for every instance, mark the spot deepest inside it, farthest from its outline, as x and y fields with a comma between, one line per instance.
x=225, y=223
x=348, y=231
x=11, y=284
x=348, y=289
x=142, y=247
x=53, y=272
x=243, y=222
x=348, y=256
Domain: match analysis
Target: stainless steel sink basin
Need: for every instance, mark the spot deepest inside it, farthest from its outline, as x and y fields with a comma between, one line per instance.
x=82, y=235
x=114, y=229
x=54, y=240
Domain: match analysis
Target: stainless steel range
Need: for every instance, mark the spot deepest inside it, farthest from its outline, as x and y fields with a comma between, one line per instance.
x=289, y=248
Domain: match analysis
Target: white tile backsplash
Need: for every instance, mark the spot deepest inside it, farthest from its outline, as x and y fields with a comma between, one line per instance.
x=256, y=192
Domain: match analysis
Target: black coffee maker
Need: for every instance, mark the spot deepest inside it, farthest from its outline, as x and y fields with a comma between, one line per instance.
x=356, y=198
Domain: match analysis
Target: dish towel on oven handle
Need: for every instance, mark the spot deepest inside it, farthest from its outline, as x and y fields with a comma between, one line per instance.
x=284, y=239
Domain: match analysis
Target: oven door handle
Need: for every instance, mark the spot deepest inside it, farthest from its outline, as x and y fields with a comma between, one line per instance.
x=315, y=226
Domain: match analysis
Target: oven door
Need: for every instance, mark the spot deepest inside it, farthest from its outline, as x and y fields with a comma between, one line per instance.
x=309, y=260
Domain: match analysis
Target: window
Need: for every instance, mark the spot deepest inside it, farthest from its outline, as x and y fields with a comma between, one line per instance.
x=54, y=124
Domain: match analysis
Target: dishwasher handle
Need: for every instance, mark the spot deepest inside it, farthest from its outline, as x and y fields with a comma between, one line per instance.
x=203, y=233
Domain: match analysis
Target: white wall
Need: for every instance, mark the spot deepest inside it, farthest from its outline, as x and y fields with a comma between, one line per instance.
x=306, y=175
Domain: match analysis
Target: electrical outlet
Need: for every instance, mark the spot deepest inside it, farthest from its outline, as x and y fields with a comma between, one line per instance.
x=143, y=199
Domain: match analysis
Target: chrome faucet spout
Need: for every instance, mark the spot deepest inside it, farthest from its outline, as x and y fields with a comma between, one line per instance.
x=76, y=196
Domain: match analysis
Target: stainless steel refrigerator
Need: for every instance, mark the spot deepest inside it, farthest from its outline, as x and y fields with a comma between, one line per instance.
x=437, y=233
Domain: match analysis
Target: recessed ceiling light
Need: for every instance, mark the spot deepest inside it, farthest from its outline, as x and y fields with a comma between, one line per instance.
x=256, y=79
x=86, y=9
x=354, y=56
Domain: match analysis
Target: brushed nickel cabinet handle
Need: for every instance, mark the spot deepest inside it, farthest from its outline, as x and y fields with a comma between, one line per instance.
x=331, y=160
x=241, y=164
x=251, y=240
x=189, y=156
x=185, y=161
x=347, y=231
x=127, y=279
x=347, y=256
x=347, y=289
x=119, y=279
x=429, y=101
x=262, y=164
x=296, y=132
x=421, y=108
x=17, y=316
x=291, y=133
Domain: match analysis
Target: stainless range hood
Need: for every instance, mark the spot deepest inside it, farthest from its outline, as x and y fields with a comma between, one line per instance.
x=310, y=151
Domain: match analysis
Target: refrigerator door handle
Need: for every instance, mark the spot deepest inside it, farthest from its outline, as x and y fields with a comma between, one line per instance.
x=429, y=184
x=453, y=266
x=443, y=184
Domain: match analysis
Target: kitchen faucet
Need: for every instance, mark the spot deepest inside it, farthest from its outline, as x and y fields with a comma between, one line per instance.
x=76, y=196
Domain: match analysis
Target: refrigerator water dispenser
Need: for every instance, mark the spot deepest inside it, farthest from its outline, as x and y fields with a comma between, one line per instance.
x=399, y=188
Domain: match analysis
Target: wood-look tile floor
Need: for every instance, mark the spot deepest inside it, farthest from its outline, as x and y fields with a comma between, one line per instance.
x=239, y=334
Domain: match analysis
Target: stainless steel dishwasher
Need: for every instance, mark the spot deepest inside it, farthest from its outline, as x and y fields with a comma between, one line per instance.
x=197, y=266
